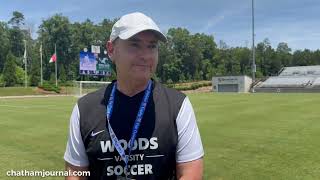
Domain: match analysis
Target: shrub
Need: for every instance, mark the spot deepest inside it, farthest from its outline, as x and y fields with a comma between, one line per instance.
x=193, y=86
x=50, y=87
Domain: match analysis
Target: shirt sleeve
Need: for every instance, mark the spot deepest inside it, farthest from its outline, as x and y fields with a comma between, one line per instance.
x=75, y=153
x=189, y=141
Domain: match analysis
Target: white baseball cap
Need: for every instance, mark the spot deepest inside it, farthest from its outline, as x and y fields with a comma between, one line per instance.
x=133, y=23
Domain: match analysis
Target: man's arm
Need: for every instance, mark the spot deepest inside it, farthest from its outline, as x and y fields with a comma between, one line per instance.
x=192, y=170
x=75, y=155
x=189, y=154
x=71, y=168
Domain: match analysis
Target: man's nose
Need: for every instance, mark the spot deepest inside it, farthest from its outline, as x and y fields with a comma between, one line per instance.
x=145, y=53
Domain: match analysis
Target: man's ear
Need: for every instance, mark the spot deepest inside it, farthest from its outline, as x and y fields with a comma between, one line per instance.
x=110, y=50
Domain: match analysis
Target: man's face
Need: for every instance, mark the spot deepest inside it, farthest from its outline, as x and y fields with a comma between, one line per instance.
x=137, y=57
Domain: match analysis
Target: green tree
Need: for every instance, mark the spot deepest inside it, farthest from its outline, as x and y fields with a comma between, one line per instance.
x=283, y=54
x=172, y=71
x=16, y=35
x=221, y=60
x=9, y=71
x=62, y=74
x=316, y=57
x=165, y=56
x=2, y=82
x=5, y=43
x=243, y=56
x=56, y=30
x=267, y=63
x=17, y=19
x=185, y=48
x=35, y=73
x=302, y=58
x=20, y=74
x=206, y=69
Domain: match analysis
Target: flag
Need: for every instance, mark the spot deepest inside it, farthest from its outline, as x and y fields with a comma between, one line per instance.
x=53, y=58
x=25, y=56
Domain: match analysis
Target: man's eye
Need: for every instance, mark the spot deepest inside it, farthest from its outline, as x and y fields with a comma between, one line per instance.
x=134, y=44
x=153, y=46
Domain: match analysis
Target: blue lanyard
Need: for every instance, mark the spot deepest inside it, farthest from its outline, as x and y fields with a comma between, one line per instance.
x=136, y=125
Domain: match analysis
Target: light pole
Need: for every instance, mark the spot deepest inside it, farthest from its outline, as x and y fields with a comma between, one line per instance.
x=253, y=50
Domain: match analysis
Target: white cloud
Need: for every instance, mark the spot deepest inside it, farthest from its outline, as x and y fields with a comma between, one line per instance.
x=212, y=22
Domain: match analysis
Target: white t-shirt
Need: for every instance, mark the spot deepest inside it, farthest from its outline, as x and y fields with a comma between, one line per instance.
x=189, y=145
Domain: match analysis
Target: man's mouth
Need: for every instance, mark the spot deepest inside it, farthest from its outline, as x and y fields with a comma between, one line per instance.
x=143, y=65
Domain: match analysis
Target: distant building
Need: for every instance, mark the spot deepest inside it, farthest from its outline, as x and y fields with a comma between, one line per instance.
x=231, y=84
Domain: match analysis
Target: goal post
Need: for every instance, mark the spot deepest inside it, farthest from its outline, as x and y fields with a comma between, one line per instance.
x=84, y=87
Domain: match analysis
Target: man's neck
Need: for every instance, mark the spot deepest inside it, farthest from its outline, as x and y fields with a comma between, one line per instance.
x=131, y=87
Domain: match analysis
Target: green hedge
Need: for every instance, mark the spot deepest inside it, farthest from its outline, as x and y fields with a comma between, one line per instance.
x=50, y=87
x=193, y=86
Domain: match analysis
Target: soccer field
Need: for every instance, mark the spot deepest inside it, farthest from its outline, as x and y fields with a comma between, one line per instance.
x=245, y=136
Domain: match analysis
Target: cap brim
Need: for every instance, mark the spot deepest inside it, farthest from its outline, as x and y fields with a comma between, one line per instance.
x=129, y=34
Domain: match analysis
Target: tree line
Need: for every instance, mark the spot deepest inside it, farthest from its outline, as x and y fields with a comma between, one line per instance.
x=185, y=57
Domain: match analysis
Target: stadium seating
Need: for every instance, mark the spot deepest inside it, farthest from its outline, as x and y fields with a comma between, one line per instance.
x=288, y=82
x=299, y=78
x=316, y=82
x=301, y=71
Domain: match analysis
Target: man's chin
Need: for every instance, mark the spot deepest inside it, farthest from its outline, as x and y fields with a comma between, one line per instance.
x=141, y=78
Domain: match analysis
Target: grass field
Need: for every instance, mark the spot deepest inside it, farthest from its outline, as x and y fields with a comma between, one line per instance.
x=22, y=91
x=245, y=136
x=16, y=91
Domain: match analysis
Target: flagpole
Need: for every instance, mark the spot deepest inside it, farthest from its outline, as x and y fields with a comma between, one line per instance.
x=41, y=64
x=55, y=52
x=25, y=64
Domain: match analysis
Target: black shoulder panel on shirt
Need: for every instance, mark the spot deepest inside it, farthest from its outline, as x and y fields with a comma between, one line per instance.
x=164, y=96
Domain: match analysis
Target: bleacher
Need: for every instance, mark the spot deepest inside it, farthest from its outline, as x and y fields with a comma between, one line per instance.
x=316, y=82
x=301, y=71
x=292, y=79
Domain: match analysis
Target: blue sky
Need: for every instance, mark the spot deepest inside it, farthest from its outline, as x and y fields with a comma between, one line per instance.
x=293, y=21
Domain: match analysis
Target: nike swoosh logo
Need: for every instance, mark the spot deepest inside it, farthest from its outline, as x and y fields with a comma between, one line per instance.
x=96, y=133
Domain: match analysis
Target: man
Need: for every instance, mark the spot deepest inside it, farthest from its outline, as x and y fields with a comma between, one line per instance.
x=135, y=128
